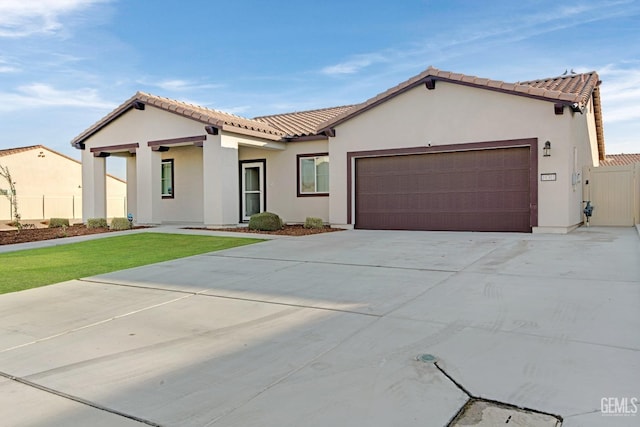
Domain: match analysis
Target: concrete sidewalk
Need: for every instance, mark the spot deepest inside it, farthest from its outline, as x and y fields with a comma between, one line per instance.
x=173, y=229
x=331, y=329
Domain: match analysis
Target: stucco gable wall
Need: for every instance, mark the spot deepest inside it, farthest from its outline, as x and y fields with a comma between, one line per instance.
x=35, y=175
x=144, y=125
x=456, y=114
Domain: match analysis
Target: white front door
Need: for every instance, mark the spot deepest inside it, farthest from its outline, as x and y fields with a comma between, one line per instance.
x=252, y=189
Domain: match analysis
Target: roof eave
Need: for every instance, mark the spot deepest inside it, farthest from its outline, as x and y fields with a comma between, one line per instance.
x=132, y=102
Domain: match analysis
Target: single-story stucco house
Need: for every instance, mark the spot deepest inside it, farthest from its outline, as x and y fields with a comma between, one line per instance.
x=440, y=151
x=48, y=185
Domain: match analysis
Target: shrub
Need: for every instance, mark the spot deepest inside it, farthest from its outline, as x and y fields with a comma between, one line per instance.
x=96, y=223
x=120, y=224
x=58, y=222
x=265, y=221
x=312, y=222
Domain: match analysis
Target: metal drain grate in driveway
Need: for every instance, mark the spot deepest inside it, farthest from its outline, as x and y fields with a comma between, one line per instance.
x=483, y=413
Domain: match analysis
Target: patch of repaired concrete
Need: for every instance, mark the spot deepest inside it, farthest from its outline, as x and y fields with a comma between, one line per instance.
x=479, y=413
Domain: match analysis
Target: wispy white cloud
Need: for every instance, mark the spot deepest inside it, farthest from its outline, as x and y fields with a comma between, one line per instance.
x=355, y=64
x=38, y=95
x=461, y=41
x=22, y=18
x=239, y=110
x=7, y=68
x=620, y=92
x=179, y=85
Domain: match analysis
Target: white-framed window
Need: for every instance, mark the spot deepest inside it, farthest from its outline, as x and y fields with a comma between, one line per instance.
x=167, y=179
x=313, y=174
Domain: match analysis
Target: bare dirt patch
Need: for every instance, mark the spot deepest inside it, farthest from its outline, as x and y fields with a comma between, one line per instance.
x=287, y=230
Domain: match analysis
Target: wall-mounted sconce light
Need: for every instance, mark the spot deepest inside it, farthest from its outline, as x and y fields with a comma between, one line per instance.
x=547, y=149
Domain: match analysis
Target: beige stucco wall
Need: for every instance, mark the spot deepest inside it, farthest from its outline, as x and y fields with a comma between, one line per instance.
x=456, y=114
x=49, y=185
x=187, y=204
x=281, y=182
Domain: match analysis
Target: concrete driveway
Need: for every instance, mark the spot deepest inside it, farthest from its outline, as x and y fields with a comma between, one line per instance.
x=337, y=329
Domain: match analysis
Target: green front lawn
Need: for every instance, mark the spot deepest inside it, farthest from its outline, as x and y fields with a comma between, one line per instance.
x=38, y=267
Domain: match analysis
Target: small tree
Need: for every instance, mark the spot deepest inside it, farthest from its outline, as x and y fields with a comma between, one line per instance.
x=11, y=195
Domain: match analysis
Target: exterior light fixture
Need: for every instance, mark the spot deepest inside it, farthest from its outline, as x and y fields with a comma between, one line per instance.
x=547, y=149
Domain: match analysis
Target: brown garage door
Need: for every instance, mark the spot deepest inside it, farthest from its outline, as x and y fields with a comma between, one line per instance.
x=478, y=190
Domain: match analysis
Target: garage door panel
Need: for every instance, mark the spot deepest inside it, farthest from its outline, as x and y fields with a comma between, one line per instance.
x=478, y=190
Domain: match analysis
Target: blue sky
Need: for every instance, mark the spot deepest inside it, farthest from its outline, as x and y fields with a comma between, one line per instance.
x=66, y=63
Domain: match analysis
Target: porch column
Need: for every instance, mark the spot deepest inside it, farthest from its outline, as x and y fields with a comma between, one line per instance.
x=220, y=186
x=148, y=186
x=132, y=187
x=94, y=186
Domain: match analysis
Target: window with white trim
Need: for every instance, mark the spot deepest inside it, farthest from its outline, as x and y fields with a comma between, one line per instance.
x=313, y=175
x=167, y=179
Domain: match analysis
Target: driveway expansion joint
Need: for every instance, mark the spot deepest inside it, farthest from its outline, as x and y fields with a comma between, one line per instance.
x=347, y=264
x=77, y=399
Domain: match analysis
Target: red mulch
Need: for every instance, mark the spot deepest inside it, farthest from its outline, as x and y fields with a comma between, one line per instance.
x=287, y=230
x=9, y=237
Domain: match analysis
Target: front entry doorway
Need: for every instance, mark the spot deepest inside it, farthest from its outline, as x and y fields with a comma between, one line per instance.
x=252, y=187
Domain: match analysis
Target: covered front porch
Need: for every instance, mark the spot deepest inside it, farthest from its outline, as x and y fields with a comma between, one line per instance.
x=191, y=179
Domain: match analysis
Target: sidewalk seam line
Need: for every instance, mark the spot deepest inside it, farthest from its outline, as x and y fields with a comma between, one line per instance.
x=77, y=399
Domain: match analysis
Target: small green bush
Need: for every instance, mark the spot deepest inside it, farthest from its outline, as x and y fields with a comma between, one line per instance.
x=97, y=223
x=312, y=222
x=120, y=224
x=58, y=222
x=265, y=221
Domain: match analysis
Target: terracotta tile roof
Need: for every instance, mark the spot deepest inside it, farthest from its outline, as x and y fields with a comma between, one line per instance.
x=302, y=123
x=219, y=119
x=574, y=90
x=620, y=159
x=573, y=87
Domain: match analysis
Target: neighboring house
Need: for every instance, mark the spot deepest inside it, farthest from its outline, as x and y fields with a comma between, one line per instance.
x=620, y=159
x=49, y=185
x=440, y=151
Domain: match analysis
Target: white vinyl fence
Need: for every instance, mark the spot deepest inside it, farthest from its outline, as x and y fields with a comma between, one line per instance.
x=47, y=207
x=614, y=192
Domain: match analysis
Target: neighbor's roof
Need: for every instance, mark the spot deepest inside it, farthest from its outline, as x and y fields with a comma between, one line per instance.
x=16, y=150
x=275, y=127
x=620, y=159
